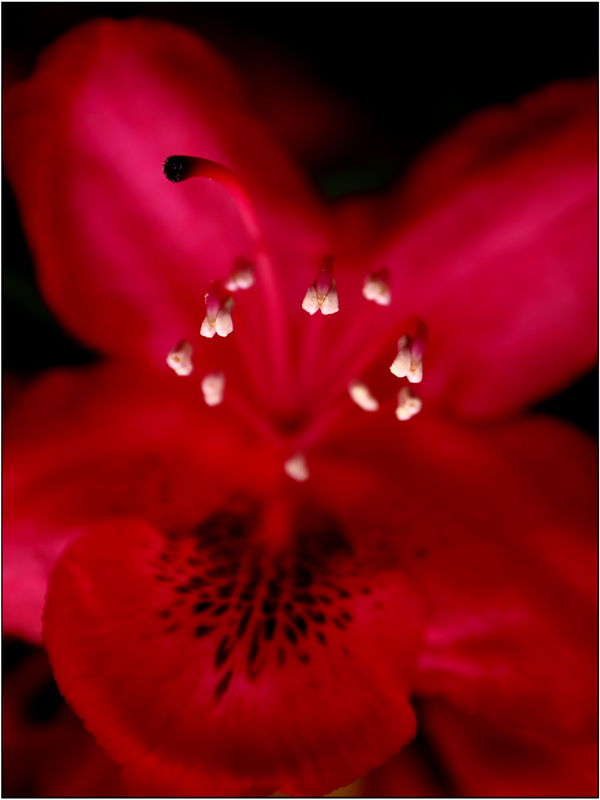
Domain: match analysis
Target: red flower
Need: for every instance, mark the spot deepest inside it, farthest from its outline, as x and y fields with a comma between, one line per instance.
x=220, y=627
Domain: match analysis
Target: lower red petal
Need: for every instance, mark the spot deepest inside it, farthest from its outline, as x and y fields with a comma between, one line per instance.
x=209, y=666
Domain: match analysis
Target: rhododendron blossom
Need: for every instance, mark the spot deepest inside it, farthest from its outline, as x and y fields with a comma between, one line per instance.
x=256, y=533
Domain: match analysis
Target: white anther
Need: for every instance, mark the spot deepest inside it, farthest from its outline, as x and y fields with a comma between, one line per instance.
x=361, y=395
x=376, y=288
x=296, y=468
x=180, y=358
x=409, y=361
x=241, y=276
x=218, y=314
x=401, y=365
x=310, y=302
x=213, y=386
x=322, y=295
x=408, y=404
x=330, y=303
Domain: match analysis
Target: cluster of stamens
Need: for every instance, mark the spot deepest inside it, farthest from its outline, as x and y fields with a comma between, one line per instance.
x=320, y=296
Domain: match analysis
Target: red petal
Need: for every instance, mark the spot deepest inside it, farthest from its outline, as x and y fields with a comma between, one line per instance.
x=209, y=667
x=494, y=242
x=125, y=257
x=505, y=547
x=490, y=761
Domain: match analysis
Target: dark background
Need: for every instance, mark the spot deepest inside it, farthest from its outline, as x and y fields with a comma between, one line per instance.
x=408, y=70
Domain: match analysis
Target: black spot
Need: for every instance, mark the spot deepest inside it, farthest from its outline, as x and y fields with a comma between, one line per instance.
x=226, y=591
x=321, y=638
x=196, y=582
x=268, y=607
x=254, y=646
x=290, y=635
x=303, y=657
x=172, y=628
x=300, y=623
x=223, y=652
x=346, y=616
x=281, y=656
x=194, y=562
x=182, y=589
x=247, y=597
x=163, y=578
x=177, y=168
x=165, y=557
x=217, y=572
x=366, y=590
x=304, y=598
x=223, y=684
x=220, y=610
x=338, y=623
x=287, y=607
x=165, y=614
x=274, y=589
x=270, y=628
x=303, y=577
x=254, y=580
x=204, y=630
x=340, y=592
x=324, y=599
x=244, y=622
x=200, y=607
x=316, y=616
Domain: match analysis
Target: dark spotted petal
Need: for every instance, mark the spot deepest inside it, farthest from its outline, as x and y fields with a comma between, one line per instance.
x=209, y=666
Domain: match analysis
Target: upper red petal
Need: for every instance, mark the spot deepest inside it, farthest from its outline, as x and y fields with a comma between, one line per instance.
x=124, y=256
x=493, y=241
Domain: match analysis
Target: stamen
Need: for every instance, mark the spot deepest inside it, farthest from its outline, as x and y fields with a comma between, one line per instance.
x=241, y=275
x=296, y=468
x=409, y=361
x=219, y=306
x=360, y=393
x=376, y=288
x=180, y=358
x=322, y=295
x=213, y=387
x=408, y=404
x=180, y=168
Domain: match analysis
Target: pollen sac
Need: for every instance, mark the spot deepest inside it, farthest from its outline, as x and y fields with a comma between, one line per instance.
x=360, y=393
x=408, y=404
x=409, y=361
x=180, y=358
x=376, y=287
x=213, y=387
x=241, y=275
x=219, y=306
x=322, y=295
x=296, y=468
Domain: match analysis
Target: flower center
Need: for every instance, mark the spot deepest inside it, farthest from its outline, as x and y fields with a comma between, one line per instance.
x=293, y=422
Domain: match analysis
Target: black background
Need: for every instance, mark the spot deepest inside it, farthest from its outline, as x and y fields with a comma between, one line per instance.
x=413, y=69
